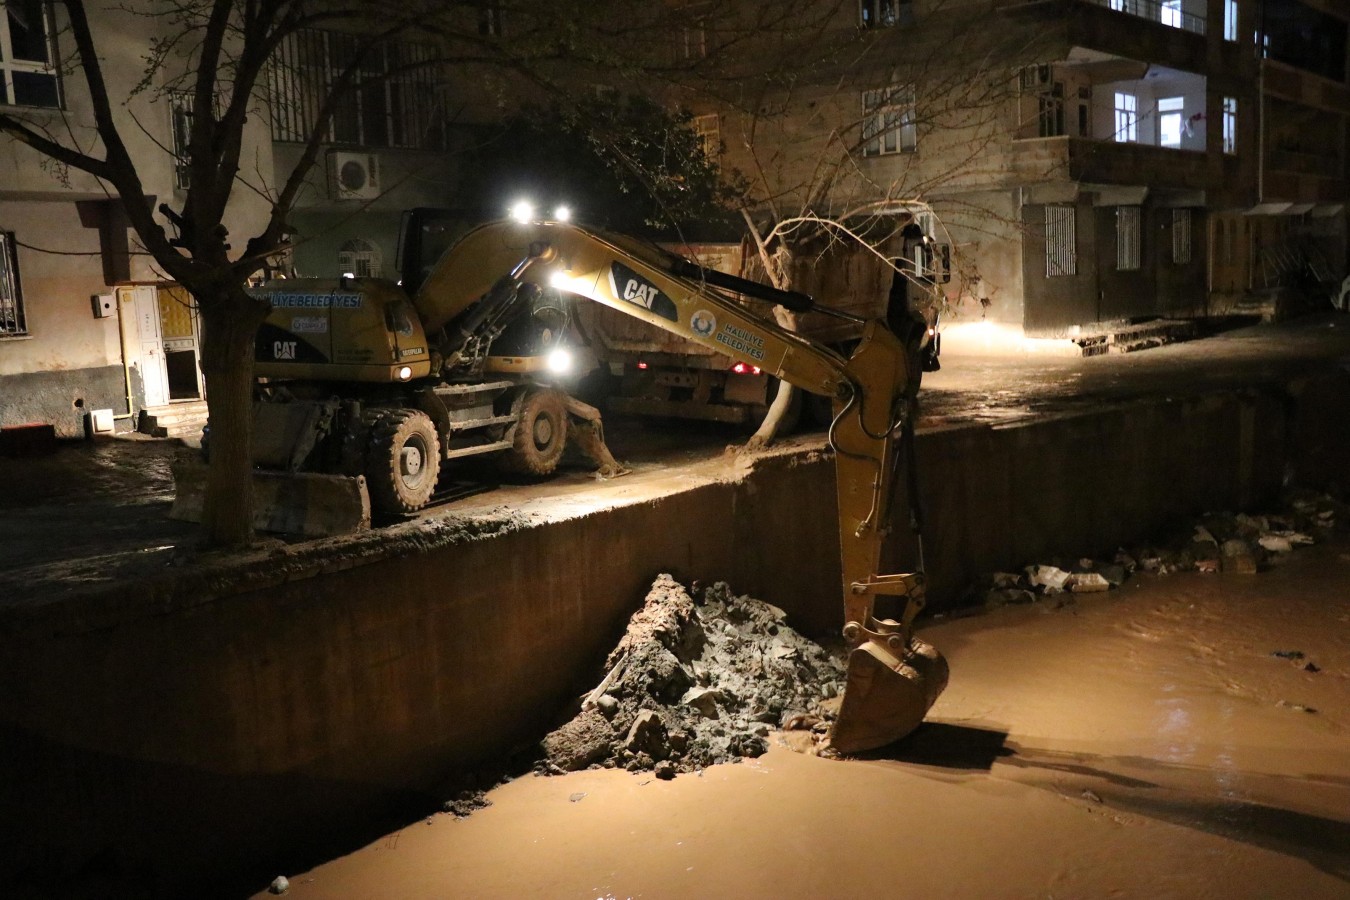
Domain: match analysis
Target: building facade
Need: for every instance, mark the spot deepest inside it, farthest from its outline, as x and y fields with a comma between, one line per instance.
x=92, y=335
x=1094, y=163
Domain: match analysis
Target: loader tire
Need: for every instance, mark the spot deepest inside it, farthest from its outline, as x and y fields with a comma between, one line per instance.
x=541, y=435
x=404, y=462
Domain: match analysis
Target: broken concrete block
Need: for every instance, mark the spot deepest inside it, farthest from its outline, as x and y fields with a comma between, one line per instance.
x=1238, y=557
x=1088, y=582
x=705, y=700
x=648, y=735
x=1275, y=543
x=1049, y=578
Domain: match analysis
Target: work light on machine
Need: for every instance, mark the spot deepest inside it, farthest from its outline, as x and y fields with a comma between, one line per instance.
x=559, y=361
x=744, y=369
x=522, y=211
x=404, y=373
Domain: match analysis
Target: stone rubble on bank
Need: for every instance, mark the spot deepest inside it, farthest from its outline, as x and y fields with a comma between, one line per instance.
x=1220, y=542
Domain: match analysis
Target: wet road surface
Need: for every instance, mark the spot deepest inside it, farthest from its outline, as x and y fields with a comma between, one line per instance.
x=95, y=511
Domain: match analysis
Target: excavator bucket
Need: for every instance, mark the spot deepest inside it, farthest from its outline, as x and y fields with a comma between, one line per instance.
x=887, y=694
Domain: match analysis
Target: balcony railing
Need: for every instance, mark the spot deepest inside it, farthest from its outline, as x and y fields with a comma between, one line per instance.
x=1167, y=13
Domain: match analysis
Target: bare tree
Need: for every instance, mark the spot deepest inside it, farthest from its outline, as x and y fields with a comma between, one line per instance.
x=887, y=122
x=217, y=52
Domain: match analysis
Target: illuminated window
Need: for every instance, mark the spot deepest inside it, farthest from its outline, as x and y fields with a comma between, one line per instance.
x=1061, y=254
x=888, y=121
x=1169, y=121
x=1127, y=117
x=1230, y=20
x=1169, y=13
x=11, y=298
x=360, y=259
x=709, y=130
x=27, y=55
x=1230, y=125
x=1181, y=236
x=1127, y=238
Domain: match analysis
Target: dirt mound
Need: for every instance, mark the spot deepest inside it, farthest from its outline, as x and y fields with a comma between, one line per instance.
x=696, y=680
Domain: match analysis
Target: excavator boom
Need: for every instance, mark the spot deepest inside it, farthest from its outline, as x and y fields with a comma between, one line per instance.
x=893, y=677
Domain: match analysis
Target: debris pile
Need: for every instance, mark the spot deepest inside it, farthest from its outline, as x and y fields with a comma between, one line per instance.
x=695, y=680
x=1220, y=542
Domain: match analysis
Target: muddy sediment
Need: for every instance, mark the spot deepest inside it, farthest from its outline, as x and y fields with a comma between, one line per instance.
x=699, y=678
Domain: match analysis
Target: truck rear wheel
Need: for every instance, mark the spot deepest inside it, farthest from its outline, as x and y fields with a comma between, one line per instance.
x=541, y=435
x=404, y=461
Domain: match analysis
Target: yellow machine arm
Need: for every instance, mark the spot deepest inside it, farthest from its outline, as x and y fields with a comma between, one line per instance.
x=893, y=678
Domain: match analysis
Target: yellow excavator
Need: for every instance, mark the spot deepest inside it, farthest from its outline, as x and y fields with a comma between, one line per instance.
x=359, y=378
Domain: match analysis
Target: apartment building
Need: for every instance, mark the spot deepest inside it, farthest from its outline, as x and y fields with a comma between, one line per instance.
x=92, y=335
x=1095, y=163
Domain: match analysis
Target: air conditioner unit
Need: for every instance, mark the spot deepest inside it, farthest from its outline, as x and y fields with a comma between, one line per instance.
x=353, y=176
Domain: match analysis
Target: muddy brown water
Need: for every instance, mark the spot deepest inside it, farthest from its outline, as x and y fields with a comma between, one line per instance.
x=1144, y=742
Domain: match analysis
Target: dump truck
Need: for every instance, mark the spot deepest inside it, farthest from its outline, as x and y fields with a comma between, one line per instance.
x=650, y=372
x=461, y=359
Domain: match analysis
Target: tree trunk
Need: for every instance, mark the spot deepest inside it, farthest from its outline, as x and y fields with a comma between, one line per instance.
x=780, y=274
x=230, y=322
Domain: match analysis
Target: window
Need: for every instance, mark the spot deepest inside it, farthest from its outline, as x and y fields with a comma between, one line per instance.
x=11, y=299
x=1127, y=238
x=1050, y=111
x=692, y=21
x=1170, y=110
x=1230, y=20
x=709, y=130
x=360, y=259
x=1061, y=250
x=400, y=110
x=490, y=18
x=1230, y=125
x=27, y=55
x=1169, y=13
x=1127, y=117
x=885, y=13
x=888, y=121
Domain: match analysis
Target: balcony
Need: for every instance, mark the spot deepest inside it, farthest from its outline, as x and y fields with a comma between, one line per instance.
x=1185, y=15
x=1085, y=160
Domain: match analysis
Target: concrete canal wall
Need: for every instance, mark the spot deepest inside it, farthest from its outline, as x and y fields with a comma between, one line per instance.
x=196, y=727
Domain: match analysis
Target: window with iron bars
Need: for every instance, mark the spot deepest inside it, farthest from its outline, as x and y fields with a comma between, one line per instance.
x=395, y=102
x=1181, y=236
x=888, y=121
x=1127, y=238
x=1061, y=249
x=12, y=321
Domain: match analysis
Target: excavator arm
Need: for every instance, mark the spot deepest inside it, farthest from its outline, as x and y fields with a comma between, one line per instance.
x=893, y=677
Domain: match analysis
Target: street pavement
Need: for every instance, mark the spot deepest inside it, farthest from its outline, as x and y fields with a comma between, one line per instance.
x=93, y=512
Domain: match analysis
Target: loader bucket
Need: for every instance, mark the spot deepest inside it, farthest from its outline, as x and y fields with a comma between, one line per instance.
x=887, y=694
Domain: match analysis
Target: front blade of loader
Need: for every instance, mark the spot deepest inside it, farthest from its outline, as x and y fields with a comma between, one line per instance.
x=886, y=695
